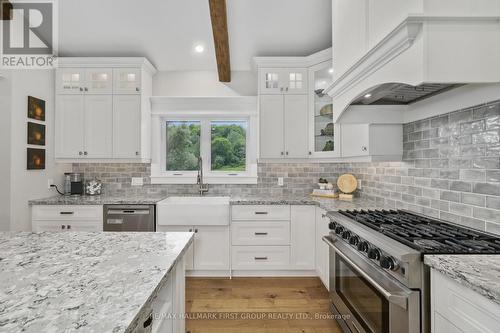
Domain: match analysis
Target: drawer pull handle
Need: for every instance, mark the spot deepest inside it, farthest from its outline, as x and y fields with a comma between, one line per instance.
x=261, y=234
x=66, y=213
x=260, y=258
x=261, y=213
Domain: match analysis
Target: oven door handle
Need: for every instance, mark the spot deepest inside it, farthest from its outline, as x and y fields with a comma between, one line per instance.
x=399, y=300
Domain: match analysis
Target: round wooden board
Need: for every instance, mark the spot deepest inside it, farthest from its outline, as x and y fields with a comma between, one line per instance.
x=347, y=183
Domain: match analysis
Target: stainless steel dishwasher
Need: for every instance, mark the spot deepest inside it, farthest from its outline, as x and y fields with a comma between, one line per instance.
x=129, y=218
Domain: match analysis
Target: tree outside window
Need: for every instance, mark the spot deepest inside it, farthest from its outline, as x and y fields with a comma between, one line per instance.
x=228, y=145
x=183, y=145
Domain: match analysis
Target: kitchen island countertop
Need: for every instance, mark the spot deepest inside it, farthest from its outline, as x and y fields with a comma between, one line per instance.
x=85, y=282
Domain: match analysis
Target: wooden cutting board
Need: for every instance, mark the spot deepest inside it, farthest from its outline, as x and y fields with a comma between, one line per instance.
x=347, y=183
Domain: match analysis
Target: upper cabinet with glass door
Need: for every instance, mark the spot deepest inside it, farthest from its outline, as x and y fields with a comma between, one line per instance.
x=283, y=80
x=127, y=81
x=324, y=133
x=78, y=81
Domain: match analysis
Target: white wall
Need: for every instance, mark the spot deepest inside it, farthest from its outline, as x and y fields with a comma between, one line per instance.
x=204, y=83
x=30, y=184
x=5, y=95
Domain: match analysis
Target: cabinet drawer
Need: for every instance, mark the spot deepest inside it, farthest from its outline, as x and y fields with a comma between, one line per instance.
x=260, y=257
x=62, y=225
x=261, y=212
x=260, y=233
x=67, y=212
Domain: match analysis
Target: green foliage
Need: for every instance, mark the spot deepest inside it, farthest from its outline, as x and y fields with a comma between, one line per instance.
x=183, y=146
x=228, y=147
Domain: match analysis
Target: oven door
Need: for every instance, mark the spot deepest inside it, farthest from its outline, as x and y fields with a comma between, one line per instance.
x=365, y=298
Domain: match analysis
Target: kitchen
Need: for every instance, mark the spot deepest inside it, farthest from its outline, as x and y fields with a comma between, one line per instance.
x=185, y=168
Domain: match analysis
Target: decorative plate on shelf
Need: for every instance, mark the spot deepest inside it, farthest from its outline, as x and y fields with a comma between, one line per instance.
x=347, y=183
x=326, y=110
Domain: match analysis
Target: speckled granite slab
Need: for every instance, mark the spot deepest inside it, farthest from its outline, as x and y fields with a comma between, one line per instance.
x=85, y=282
x=98, y=200
x=324, y=203
x=478, y=272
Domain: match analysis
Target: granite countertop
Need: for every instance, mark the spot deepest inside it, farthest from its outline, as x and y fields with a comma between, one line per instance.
x=478, y=272
x=99, y=200
x=90, y=282
x=325, y=203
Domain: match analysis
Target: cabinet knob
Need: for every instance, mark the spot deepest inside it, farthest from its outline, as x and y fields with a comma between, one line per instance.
x=86, y=89
x=68, y=227
x=85, y=153
x=190, y=230
x=364, y=148
x=286, y=89
x=136, y=153
x=81, y=89
x=63, y=227
x=195, y=231
x=282, y=153
x=310, y=153
x=281, y=89
x=137, y=89
x=80, y=153
x=286, y=153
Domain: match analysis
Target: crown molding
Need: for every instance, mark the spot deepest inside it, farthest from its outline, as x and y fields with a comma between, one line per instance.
x=110, y=62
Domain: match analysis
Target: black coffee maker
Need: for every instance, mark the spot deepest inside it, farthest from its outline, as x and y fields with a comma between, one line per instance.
x=74, y=183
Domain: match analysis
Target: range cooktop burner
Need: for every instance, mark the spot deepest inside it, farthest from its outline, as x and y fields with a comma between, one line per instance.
x=425, y=234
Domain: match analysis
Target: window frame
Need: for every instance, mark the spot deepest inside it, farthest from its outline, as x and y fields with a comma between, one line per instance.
x=160, y=175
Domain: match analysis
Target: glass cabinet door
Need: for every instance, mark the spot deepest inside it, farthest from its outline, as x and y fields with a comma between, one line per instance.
x=99, y=81
x=127, y=81
x=324, y=132
x=70, y=81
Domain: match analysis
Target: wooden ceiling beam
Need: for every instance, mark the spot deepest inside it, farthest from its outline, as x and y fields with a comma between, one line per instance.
x=218, y=16
x=5, y=10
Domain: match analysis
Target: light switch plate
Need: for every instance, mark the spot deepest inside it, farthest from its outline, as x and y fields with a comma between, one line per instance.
x=137, y=181
x=280, y=181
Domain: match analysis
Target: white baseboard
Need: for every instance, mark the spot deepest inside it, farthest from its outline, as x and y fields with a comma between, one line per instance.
x=240, y=273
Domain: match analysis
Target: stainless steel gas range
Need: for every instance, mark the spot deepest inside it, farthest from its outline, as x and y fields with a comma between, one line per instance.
x=378, y=282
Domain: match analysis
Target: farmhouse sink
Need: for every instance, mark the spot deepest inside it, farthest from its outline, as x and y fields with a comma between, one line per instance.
x=193, y=211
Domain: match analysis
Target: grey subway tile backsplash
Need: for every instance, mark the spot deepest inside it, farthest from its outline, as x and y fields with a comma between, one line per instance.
x=450, y=170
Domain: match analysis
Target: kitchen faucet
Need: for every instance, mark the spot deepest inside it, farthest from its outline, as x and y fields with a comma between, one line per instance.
x=203, y=187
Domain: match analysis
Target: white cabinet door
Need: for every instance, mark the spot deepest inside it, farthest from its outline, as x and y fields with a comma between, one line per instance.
x=355, y=140
x=98, y=81
x=98, y=126
x=70, y=119
x=294, y=80
x=126, y=126
x=88, y=226
x=127, y=81
x=296, y=126
x=211, y=248
x=322, y=250
x=271, y=126
x=271, y=80
x=189, y=256
x=303, y=237
x=70, y=81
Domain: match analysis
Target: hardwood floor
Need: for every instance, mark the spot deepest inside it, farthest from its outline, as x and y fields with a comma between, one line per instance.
x=258, y=305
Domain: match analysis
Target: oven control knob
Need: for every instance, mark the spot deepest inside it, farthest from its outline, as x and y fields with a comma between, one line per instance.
x=387, y=263
x=332, y=225
x=374, y=254
x=354, y=240
x=339, y=230
x=346, y=234
x=363, y=246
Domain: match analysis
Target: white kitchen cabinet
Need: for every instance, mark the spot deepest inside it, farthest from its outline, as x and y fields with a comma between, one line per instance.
x=67, y=218
x=457, y=308
x=272, y=133
x=210, y=249
x=69, y=131
x=283, y=80
x=103, y=109
x=126, y=126
x=98, y=81
x=374, y=140
x=260, y=258
x=303, y=237
x=283, y=126
x=127, y=81
x=322, y=249
x=98, y=126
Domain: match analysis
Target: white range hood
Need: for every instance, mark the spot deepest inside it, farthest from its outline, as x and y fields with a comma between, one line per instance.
x=424, y=51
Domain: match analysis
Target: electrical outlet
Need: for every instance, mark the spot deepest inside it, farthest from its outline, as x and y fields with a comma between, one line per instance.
x=359, y=184
x=50, y=182
x=137, y=181
x=280, y=181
